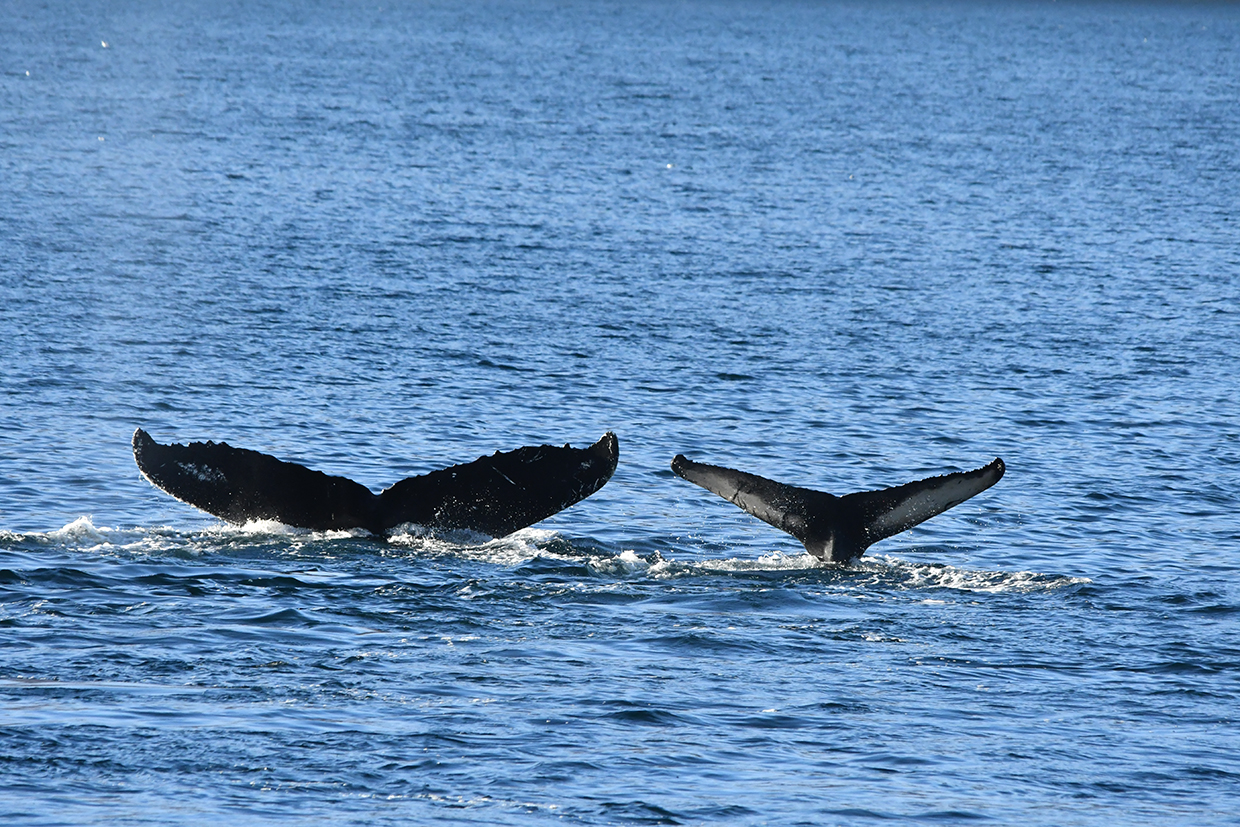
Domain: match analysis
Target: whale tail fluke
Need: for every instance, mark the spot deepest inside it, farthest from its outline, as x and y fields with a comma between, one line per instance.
x=239, y=485
x=786, y=507
x=504, y=492
x=493, y=495
x=889, y=511
x=833, y=528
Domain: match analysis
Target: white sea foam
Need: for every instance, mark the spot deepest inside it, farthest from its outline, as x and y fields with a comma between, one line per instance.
x=880, y=571
x=513, y=550
x=529, y=544
x=625, y=564
x=275, y=528
x=629, y=562
x=83, y=535
x=775, y=561
x=944, y=576
x=80, y=530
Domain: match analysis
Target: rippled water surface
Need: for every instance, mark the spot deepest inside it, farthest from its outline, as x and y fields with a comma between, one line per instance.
x=842, y=245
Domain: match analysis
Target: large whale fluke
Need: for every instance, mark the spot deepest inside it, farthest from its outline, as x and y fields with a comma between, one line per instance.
x=838, y=529
x=493, y=495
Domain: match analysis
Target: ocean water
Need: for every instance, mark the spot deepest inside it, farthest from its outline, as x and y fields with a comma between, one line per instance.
x=844, y=245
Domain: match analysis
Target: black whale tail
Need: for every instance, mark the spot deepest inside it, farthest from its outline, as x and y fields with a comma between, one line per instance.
x=833, y=528
x=494, y=495
x=889, y=511
x=239, y=485
x=504, y=492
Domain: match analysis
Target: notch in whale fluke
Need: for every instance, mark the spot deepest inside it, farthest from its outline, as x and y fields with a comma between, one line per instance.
x=838, y=529
x=493, y=495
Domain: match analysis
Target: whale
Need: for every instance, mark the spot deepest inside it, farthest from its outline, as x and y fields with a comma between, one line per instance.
x=839, y=529
x=494, y=495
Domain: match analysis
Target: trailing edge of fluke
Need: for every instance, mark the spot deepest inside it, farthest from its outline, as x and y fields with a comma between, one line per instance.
x=493, y=495
x=838, y=529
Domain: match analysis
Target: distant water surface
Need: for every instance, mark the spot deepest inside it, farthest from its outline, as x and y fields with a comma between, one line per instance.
x=843, y=245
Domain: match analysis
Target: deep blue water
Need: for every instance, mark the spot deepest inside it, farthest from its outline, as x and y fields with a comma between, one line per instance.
x=842, y=245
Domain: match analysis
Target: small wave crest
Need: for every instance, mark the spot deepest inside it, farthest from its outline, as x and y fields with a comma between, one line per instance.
x=267, y=529
x=879, y=572
x=81, y=530
x=83, y=535
x=894, y=571
x=655, y=565
x=513, y=550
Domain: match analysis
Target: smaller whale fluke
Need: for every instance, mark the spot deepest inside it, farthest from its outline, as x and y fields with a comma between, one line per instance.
x=838, y=529
x=493, y=495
